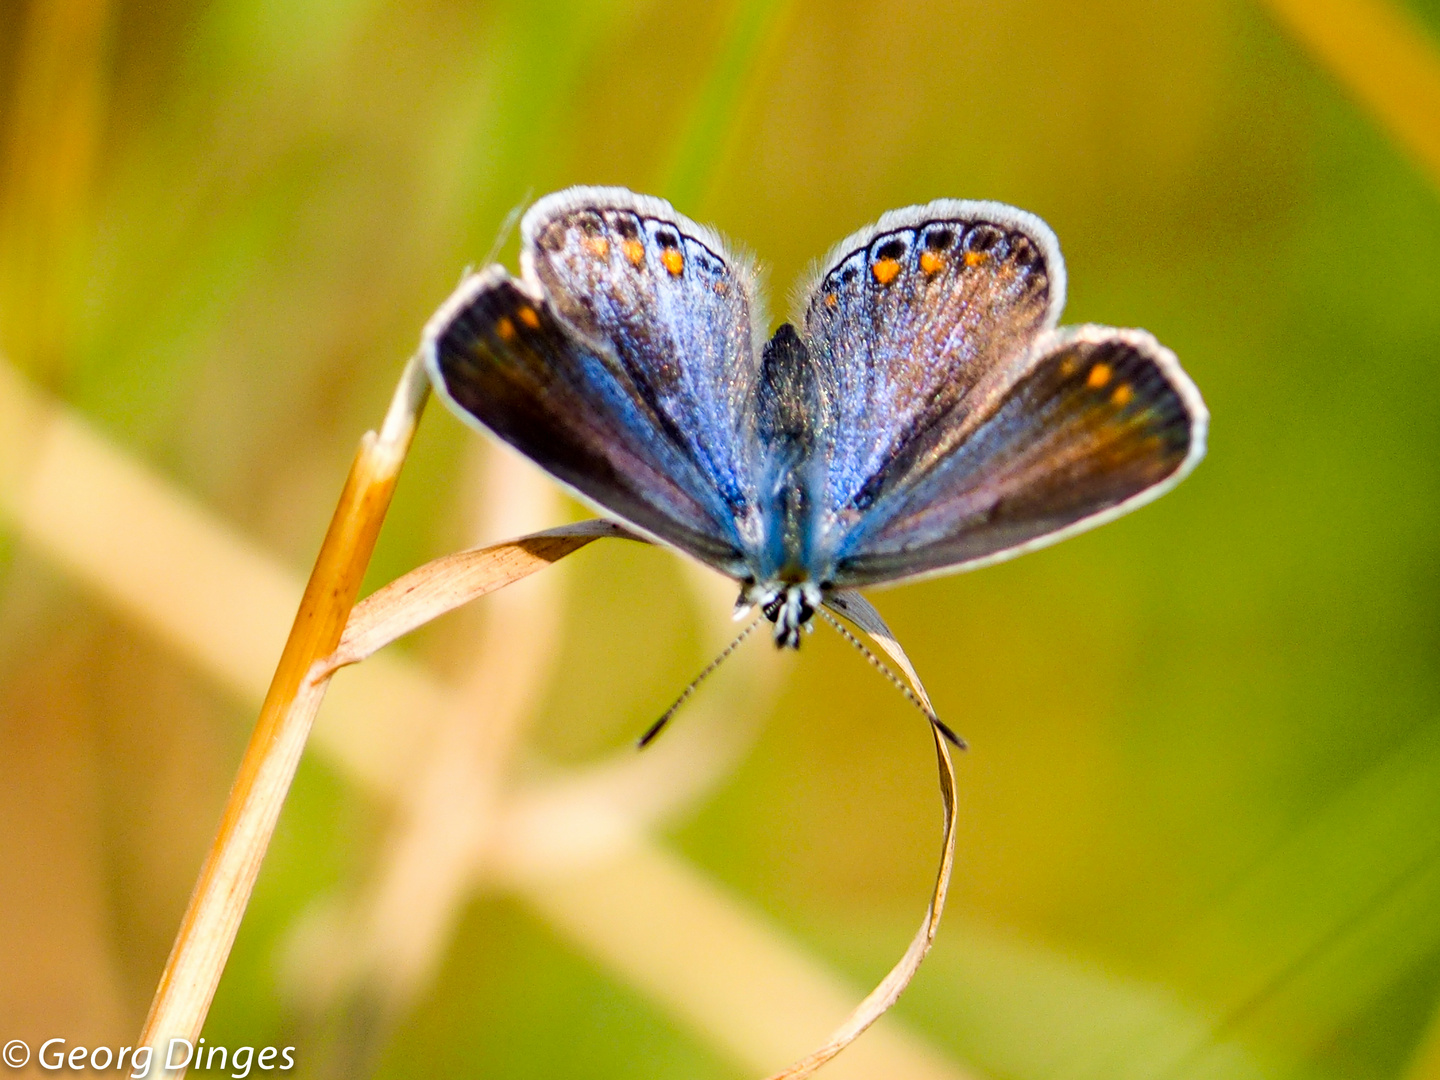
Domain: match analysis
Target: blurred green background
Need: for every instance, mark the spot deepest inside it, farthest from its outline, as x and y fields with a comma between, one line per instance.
x=1201, y=813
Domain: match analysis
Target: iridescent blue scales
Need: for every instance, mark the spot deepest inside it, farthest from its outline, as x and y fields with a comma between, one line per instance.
x=926, y=417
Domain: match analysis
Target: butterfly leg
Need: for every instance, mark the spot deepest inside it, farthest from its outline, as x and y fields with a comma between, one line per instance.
x=789, y=606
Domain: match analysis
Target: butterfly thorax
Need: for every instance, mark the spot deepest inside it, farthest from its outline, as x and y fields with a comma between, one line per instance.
x=786, y=405
x=785, y=408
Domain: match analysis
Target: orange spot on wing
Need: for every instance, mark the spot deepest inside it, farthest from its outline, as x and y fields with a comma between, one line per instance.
x=634, y=251
x=1098, y=377
x=529, y=318
x=596, y=245
x=975, y=258
x=930, y=262
x=673, y=260
x=831, y=300
x=505, y=328
x=885, y=270
x=1123, y=395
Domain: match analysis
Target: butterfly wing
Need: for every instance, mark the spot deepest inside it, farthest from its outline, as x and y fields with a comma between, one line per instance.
x=619, y=362
x=954, y=427
x=907, y=318
x=1091, y=424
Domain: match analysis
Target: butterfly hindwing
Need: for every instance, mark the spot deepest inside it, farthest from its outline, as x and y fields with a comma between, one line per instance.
x=1093, y=422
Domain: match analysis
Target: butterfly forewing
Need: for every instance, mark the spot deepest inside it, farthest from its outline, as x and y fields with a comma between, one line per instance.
x=504, y=360
x=1094, y=423
x=659, y=296
x=618, y=363
x=909, y=316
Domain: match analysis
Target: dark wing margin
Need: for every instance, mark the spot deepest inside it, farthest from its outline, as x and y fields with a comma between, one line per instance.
x=1092, y=424
x=620, y=362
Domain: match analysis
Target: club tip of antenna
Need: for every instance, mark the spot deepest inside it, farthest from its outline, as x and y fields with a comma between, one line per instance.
x=950, y=736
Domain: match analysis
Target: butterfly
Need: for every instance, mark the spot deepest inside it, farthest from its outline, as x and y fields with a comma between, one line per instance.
x=923, y=413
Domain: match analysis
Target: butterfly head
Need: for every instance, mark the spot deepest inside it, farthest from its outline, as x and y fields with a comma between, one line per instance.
x=789, y=605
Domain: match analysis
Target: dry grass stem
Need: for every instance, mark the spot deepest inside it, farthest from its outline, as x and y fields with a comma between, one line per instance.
x=856, y=608
x=723, y=970
x=212, y=918
x=466, y=817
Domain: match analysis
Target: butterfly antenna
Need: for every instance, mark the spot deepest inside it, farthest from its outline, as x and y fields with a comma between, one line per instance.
x=506, y=227
x=659, y=725
x=899, y=683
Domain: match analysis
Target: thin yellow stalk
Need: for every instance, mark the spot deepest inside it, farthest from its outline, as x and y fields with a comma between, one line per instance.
x=1385, y=57
x=207, y=932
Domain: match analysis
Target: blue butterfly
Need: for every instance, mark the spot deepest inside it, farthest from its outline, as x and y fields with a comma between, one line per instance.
x=922, y=415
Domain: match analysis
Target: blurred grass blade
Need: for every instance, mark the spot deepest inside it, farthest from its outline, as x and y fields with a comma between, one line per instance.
x=859, y=611
x=451, y=581
x=1334, y=916
x=54, y=126
x=755, y=29
x=1385, y=57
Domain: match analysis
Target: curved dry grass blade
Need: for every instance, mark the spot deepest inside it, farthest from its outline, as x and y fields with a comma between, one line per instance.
x=859, y=611
x=451, y=581
x=863, y=614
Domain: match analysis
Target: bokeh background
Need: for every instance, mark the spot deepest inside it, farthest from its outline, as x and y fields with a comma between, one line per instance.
x=1201, y=813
